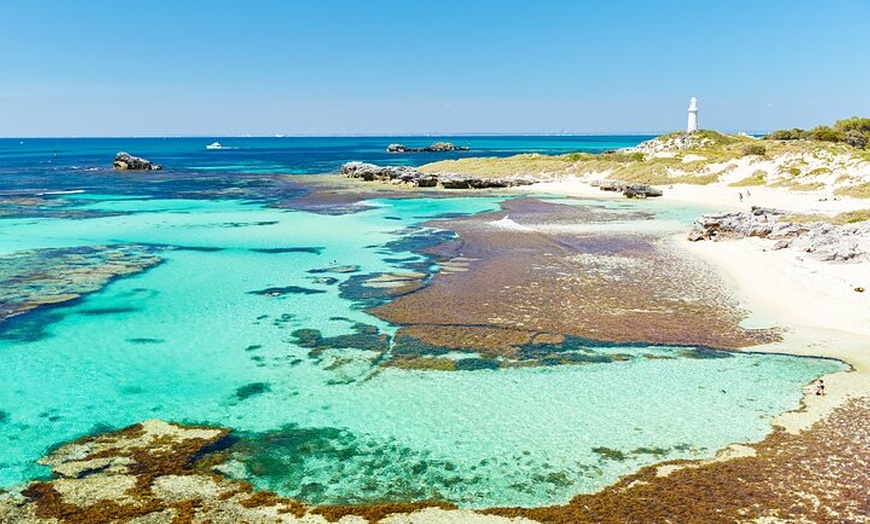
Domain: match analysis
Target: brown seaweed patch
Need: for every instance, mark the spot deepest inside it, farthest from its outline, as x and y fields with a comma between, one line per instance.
x=414, y=347
x=427, y=363
x=818, y=475
x=378, y=512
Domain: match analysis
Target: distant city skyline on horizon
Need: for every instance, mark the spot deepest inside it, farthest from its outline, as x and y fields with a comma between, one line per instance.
x=390, y=68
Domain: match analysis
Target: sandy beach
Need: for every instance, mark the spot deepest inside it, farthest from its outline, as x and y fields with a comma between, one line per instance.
x=815, y=303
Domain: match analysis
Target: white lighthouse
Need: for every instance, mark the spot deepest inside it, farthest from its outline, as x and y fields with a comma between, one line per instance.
x=693, y=116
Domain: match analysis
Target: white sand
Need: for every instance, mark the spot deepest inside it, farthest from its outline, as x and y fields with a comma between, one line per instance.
x=718, y=196
x=814, y=302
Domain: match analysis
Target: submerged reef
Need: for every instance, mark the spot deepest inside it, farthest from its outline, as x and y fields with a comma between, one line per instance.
x=542, y=267
x=458, y=348
x=40, y=277
x=162, y=472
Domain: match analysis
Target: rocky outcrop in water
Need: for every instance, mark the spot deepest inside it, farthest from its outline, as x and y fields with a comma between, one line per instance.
x=629, y=190
x=437, y=147
x=159, y=472
x=127, y=162
x=820, y=240
x=410, y=176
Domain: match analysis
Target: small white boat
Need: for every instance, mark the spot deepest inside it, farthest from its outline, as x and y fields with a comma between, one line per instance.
x=214, y=145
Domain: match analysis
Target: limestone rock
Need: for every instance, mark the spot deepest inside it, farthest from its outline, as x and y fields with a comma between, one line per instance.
x=410, y=176
x=127, y=162
x=437, y=147
x=820, y=240
x=629, y=190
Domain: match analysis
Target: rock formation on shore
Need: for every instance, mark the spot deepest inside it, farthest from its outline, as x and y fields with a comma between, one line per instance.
x=410, y=176
x=127, y=162
x=820, y=240
x=629, y=190
x=437, y=147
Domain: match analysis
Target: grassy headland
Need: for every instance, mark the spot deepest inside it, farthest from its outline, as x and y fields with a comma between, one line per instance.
x=701, y=158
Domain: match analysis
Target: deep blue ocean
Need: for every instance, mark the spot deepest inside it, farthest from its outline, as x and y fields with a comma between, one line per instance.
x=285, y=155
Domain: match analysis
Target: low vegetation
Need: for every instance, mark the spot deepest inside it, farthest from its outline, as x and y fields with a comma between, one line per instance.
x=755, y=179
x=813, y=161
x=854, y=132
x=861, y=190
x=848, y=217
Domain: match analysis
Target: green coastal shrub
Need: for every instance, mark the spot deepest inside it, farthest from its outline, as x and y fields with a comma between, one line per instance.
x=854, y=132
x=753, y=149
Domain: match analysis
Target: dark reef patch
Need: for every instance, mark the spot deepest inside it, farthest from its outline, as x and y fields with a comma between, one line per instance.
x=250, y=224
x=286, y=290
x=335, y=269
x=204, y=249
x=45, y=278
x=316, y=464
x=278, y=250
x=31, y=327
x=145, y=340
x=417, y=240
x=327, y=281
x=514, y=349
x=375, y=289
x=108, y=310
x=253, y=389
x=364, y=337
x=472, y=364
x=703, y=353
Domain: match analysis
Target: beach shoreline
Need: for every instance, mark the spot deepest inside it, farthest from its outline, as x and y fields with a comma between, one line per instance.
x=814, y=303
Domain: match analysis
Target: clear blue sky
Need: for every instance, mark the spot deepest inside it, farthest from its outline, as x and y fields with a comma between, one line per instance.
x=314, y=67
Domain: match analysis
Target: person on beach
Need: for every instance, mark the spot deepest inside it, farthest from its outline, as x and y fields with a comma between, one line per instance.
x=740, y=195
x=820, y=387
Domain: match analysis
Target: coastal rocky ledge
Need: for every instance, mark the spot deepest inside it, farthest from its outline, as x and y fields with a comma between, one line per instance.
x=819, y=240
x=629, y=190
x=413, y=177
x=127, y=162
x=437, y=147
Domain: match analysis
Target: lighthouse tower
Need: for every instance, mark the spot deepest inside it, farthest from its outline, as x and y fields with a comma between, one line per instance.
x=693, y=116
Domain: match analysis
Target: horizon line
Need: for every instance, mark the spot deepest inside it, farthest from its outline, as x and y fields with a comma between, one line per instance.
x=370, y=135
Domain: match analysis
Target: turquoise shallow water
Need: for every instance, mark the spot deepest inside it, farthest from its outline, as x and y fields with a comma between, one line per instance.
x=195, y=339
